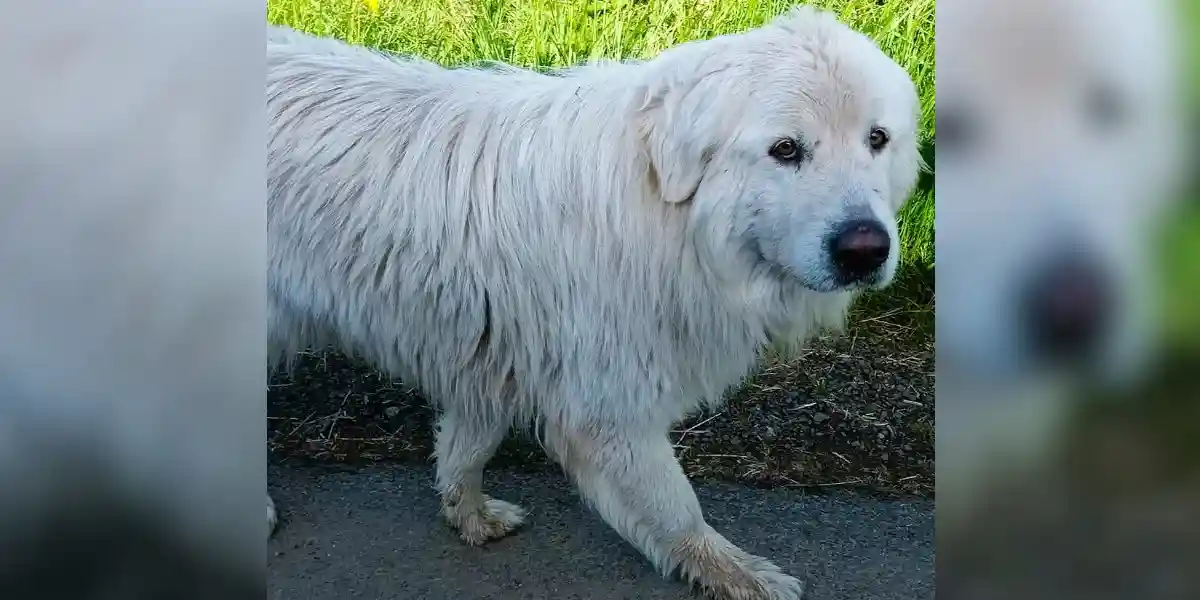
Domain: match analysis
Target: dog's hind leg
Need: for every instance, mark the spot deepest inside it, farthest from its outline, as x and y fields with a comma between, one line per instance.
x=286, y=335
x=634, y=481
x=465, y=442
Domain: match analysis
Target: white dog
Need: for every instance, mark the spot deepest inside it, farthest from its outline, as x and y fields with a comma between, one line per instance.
x=1058, y=148
x=596, y=252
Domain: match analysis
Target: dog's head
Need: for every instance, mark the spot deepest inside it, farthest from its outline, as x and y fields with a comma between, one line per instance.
x=1056, y=138
x=795, y=144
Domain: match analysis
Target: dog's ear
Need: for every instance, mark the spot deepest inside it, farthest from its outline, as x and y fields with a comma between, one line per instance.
x=674, y=124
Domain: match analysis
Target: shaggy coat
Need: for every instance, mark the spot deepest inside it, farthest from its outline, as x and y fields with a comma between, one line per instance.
x=575, y=250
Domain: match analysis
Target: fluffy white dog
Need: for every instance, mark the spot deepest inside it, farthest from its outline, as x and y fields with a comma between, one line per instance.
x=594, y=252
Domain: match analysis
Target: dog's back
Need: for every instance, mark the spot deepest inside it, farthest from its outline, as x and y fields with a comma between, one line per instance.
x=340, y=122
x=412, y=219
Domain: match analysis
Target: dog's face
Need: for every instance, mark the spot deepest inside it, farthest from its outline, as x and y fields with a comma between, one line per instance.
x=796, y=148
x=1056, y=136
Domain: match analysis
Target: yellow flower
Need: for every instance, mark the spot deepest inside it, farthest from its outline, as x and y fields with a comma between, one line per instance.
x=372, y=5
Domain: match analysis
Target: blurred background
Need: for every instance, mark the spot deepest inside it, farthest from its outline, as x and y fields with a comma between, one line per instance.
x=132, y=346
x=1068, y=321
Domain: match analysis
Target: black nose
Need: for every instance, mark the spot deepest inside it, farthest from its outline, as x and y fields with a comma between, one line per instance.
x=1067, y=307
x=859, y=249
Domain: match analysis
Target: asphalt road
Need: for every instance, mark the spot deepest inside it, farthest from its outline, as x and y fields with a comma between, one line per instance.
x=375, y=534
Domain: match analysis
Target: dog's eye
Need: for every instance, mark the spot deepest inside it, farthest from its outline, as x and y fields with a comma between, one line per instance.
x=787, y=150
x=878, y=139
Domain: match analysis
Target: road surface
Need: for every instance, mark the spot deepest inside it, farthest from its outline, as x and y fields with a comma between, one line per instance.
x=375, y=534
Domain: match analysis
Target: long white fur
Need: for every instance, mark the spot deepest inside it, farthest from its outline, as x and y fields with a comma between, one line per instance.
x=530, y=247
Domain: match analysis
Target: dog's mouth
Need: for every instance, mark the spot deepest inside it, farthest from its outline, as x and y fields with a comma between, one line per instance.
x=788, y=275
x=876, y=281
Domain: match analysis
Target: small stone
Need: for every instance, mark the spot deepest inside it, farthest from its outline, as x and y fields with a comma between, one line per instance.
x=391, y=412
x=820, y=417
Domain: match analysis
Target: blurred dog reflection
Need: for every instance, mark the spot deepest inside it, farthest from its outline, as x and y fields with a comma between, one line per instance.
x=1058, y=151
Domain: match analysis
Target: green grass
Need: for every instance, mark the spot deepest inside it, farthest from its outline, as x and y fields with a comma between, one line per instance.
x=556, y=33
x=1181, y=239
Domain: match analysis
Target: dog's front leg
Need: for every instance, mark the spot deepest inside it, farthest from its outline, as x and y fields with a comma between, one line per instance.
x=464, y=445
x=634, y=481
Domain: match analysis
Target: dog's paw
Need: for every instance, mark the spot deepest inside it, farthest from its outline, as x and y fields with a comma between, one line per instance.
x=493, y=520
x=725, y=572
x=757, y=579
x=772, y=584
